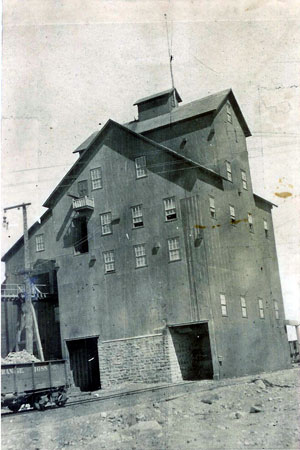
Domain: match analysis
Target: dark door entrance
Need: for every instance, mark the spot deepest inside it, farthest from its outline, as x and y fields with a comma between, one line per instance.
x=192, y=347
x=84, y=363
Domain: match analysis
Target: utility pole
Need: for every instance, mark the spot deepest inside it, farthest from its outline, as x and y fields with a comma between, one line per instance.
x=28, y=304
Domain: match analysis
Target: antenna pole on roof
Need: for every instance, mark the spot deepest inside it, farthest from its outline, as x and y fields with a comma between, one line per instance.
x=169, y=51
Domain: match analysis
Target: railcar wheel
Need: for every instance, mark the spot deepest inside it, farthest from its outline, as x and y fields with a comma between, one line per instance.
x=61, y=399
x=14, y=407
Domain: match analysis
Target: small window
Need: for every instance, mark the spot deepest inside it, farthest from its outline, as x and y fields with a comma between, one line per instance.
x=96, y=178
x=170, y=209
x=109, y=261
x=228, y=171
x=276, y=308
x=137, y=216
x=261, y=308
x=223, y=305
x=244, y=307
x=140, y=167
x=250, y=222
x=232, y=214
x=80, y=235
x=105, y=220
x=39, y=243
x=174, y=251
x=266, y=228
x=244, y=179
x=228, y=112
x=236, y=136
x=83, y=189
x=212, y=208
x=140, y=255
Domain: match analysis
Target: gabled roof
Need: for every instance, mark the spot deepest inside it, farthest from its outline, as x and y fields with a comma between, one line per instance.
x=209, y=104
x=160, y=94
x=83, y=160
x=264, y=200
x=86, y=143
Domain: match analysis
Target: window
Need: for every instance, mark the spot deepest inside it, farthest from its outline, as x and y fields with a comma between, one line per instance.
x=232, y=214
x=212, y=208
x=250, y=222
x=137, y=216
x=140, y=166
x=105, y=220
x=39, y=243
x=109, y=261
x=223, y=305
x=276, y=307
x=244, y=179
x=83, y=189
x=261, y=308
x=266, y=228
x=228, y=112
x=244, y=307
x=140, y=255
x=96, y=178
x=170, y=209
x=174, y=252
x=236, y=136
x=228, y=171
x=80, y=235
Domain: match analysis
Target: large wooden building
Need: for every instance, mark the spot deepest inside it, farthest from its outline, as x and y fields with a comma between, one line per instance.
x=165, y=259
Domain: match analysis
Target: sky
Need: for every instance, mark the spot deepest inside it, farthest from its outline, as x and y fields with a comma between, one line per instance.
x=70, y=65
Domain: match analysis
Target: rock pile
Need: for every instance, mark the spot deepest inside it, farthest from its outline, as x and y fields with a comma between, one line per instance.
x=19, y=358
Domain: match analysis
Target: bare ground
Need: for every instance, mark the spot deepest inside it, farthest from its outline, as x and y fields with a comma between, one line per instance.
x=256, y=413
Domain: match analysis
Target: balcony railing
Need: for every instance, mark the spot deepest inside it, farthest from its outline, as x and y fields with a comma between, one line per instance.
x=14, y=291
x=83, y=203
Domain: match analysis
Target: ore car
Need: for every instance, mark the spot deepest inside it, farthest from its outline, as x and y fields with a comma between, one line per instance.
x=34, y=383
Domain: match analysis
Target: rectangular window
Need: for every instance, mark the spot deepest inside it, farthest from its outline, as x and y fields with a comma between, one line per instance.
x=232, y=214
x=228, y=171
x=212, y=208
x=250, y=222
x=266, y=228
x=228, y=112
x=140, y=166
x=105, y=220
x=109, y=261
x=96, y=178
x=140, y=255
x=83, y=189
x=244, y=179
x=39, y=243
x=236, y=136
x=276, y=307
x=80, y=235
x=244, y=307
x=174, y=251
x=170, y=209
x=223, y=305
x=261, y=308
x=137, y=216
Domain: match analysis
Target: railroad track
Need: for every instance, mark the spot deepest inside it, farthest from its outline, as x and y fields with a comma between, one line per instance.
x=165, y=388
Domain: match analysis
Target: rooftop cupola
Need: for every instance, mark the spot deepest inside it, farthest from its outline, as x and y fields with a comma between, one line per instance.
x=158, y=104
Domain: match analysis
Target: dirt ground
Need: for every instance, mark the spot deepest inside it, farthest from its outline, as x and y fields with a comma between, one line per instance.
x=255, y=413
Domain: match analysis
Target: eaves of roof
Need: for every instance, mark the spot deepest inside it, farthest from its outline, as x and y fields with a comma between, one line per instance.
x=159, y=94
x=264, y=200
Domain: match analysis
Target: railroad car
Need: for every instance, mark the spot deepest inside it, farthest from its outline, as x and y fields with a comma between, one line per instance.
x=35, y=383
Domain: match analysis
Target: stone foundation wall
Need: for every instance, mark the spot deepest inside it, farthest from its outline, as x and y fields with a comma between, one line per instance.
x=144, y=359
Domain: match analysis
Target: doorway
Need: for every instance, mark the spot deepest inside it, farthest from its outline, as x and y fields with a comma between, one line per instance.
x=192, y=347
x=84, y=363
